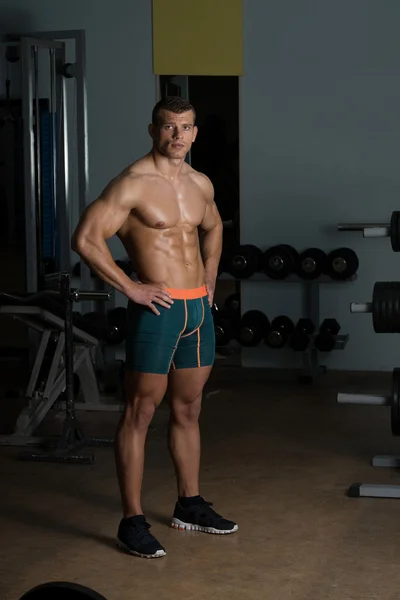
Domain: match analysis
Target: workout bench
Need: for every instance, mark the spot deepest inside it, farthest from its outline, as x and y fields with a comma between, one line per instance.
x=44, y=394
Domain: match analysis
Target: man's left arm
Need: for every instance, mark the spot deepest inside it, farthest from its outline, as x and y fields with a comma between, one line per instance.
x=211, y=229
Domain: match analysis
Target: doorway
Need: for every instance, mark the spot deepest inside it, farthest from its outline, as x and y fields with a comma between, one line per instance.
x=216, y=150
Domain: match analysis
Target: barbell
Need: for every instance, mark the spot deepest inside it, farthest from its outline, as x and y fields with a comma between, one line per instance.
x=393, y=401
x=370, y=230
x=385, y=307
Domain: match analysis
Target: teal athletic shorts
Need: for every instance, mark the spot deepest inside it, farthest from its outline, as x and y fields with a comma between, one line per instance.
x=181, y=337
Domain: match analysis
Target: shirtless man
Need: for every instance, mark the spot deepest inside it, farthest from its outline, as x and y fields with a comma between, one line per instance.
x=157, y=207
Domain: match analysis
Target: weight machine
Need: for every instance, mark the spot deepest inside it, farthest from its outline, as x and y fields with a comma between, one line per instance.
x=71, y=355
x=385, y=309
x=47, y=135
x=393, y=401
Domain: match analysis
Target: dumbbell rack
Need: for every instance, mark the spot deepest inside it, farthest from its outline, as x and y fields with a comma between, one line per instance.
x=313, y=369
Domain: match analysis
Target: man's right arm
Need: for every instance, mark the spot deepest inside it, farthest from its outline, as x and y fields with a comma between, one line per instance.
x=100, y=221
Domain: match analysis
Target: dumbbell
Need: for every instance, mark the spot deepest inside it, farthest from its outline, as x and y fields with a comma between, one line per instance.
x=393, y=401
x=310, y=264
x=226, y=319
x=385, y=307
x=325, y=340
x=224, y=327
x=253, y=328
x=341, y=264
x=279, y=332
x=243, y=261
x=232, y=305
x=370, y=230
x=279, y=261
x=300, y=338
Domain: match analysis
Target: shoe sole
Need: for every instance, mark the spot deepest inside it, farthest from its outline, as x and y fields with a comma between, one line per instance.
x=157, y=554
x=177, y=524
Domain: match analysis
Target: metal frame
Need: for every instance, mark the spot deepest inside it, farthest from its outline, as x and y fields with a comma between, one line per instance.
x=369, y=490
x=40, y=401
x=79, y=71
x=381, y=490
x=30, y=112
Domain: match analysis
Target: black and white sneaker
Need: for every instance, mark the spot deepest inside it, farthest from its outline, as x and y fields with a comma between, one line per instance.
x=201, y=517
x=134, y=537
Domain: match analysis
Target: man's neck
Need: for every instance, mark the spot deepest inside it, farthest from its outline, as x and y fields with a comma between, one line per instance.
x=168, y=167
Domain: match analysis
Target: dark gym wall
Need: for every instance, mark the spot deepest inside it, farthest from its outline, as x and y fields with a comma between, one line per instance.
x=320, y=144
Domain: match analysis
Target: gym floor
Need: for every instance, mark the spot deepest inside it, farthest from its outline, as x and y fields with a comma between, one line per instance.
x=277, y=457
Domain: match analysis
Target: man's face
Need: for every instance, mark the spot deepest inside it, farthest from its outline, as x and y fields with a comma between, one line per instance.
x=174, y=134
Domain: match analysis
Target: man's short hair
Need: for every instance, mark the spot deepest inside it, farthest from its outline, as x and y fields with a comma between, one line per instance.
x=173, y=104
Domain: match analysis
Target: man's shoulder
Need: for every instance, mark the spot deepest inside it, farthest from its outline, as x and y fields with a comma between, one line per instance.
x=141, y=168
x=201, y=180
x=128, y=182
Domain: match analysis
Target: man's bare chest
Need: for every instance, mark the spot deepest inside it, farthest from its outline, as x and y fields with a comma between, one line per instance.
x=163, y=206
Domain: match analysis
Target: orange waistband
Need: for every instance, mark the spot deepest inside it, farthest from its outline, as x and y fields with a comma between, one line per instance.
x=191, y=294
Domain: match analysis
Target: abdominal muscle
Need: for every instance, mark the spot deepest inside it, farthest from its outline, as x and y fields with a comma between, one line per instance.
x=168, y=257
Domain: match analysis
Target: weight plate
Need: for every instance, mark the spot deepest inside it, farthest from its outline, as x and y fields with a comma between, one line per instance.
x=62, y=591
x=253, y=328
x=395, y=231
x=279, y=261
x=305, y=325
x=395, y=407
x=232, y=305
x=283, y=323
x=223, y=329
x=280, y=330
x=386, y=307
x=275, y=339
x=342, y=263
x=310, y=264
x=330, y=326
x=244, y=261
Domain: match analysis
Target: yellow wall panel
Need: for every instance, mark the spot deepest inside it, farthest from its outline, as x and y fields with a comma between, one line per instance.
x=197, y=37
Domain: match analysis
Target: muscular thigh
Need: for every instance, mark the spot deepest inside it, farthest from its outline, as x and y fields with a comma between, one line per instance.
x=143, y=393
